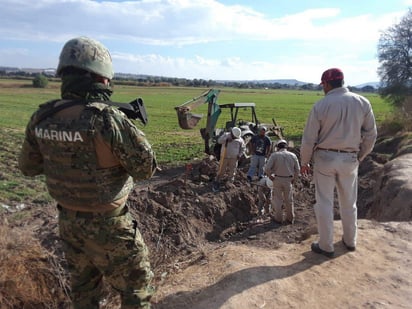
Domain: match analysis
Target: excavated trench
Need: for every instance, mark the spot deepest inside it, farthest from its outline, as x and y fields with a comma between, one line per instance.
x=179, y=213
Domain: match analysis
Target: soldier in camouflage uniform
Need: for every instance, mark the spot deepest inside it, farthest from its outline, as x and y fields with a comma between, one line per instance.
x=91, y=154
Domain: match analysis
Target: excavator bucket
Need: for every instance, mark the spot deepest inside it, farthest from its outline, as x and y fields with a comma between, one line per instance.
x=188, y=120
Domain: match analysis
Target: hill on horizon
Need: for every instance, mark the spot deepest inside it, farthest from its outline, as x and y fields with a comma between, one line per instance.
x=291, y=82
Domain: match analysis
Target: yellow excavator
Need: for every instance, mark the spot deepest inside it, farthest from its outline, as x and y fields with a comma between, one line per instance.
x=189, y=120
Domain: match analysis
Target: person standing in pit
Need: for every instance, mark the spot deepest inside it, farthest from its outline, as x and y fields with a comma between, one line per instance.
x=261, y=145
x=283, y=168
x=233, y=148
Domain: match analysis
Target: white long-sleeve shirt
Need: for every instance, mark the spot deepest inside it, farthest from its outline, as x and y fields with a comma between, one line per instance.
x=235, y=146
x=342, y=120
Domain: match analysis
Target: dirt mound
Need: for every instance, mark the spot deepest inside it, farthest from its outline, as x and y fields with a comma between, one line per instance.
x=195, y=233
x=179, y=213
x=393, y=191
x=385, y=189
x=30, y=276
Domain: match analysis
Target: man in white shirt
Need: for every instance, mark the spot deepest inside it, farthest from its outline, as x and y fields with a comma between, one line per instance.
x=340, y=132
x=233, y=147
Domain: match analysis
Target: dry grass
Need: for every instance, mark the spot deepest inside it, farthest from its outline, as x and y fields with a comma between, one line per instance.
x=30, y=276
x=394, y=123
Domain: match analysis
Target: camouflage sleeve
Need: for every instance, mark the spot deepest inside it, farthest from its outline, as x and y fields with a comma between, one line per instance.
x=30, y=159
x=128, y=144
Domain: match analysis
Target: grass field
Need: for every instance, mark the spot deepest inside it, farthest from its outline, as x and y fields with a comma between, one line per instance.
x=173, y=145
x=290, y=109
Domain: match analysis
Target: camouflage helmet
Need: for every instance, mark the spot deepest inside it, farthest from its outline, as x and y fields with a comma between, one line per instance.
x=87, y=54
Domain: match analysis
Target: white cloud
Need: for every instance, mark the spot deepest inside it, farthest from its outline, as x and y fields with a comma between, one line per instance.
x=172, y=22
x=157, y=29
x=13, y=51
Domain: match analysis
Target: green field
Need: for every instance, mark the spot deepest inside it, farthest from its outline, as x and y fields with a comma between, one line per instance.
x=173, y=146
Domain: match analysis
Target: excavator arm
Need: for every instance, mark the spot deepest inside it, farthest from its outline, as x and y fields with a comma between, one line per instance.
x=187, y=119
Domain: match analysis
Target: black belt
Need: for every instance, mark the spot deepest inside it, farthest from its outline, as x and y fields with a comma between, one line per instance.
x=283, y=176
x=336, y=150
x=91, y=215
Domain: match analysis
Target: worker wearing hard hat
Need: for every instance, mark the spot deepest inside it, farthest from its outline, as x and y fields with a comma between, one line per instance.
x=265, y=186
x=282, y=168
x=232, y=150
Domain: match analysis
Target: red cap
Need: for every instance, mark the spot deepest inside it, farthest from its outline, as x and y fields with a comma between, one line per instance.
x=332, y=74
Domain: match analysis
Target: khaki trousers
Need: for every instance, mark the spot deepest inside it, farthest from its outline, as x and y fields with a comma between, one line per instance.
x=336, y=170
x=282, y=195
x=228, y=168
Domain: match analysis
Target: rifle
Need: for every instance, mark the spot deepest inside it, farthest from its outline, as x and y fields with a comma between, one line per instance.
x=134, y=110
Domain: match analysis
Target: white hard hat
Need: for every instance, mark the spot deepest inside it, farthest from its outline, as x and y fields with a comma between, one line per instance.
x=282, y=141
x=236, y=132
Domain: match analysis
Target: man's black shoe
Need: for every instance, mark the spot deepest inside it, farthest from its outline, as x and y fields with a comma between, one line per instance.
x=315, y=248
x=249, y=178
x=350, y=248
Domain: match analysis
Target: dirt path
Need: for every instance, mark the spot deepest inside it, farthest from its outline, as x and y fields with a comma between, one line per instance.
x=377, y=275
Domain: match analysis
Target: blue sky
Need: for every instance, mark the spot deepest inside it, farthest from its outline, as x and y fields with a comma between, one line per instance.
x=207, y=39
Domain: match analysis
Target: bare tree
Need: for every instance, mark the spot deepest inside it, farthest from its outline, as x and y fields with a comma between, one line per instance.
x=395, y=58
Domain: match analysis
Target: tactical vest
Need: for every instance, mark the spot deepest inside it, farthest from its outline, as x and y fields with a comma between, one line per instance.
x=70, y=160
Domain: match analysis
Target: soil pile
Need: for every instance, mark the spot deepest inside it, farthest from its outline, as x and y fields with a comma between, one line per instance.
x=179, y=213
x=218, y=250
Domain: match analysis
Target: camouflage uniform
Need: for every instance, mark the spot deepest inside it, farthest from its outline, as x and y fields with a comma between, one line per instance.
x=90, y=154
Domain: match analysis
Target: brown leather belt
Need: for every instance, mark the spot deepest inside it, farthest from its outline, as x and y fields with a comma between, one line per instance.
x=336, y=150
x=90, y=215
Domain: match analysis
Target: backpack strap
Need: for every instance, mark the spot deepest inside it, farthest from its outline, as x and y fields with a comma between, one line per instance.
x=49, y=109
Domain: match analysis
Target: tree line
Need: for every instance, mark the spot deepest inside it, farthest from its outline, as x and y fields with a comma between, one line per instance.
x=40, y=80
